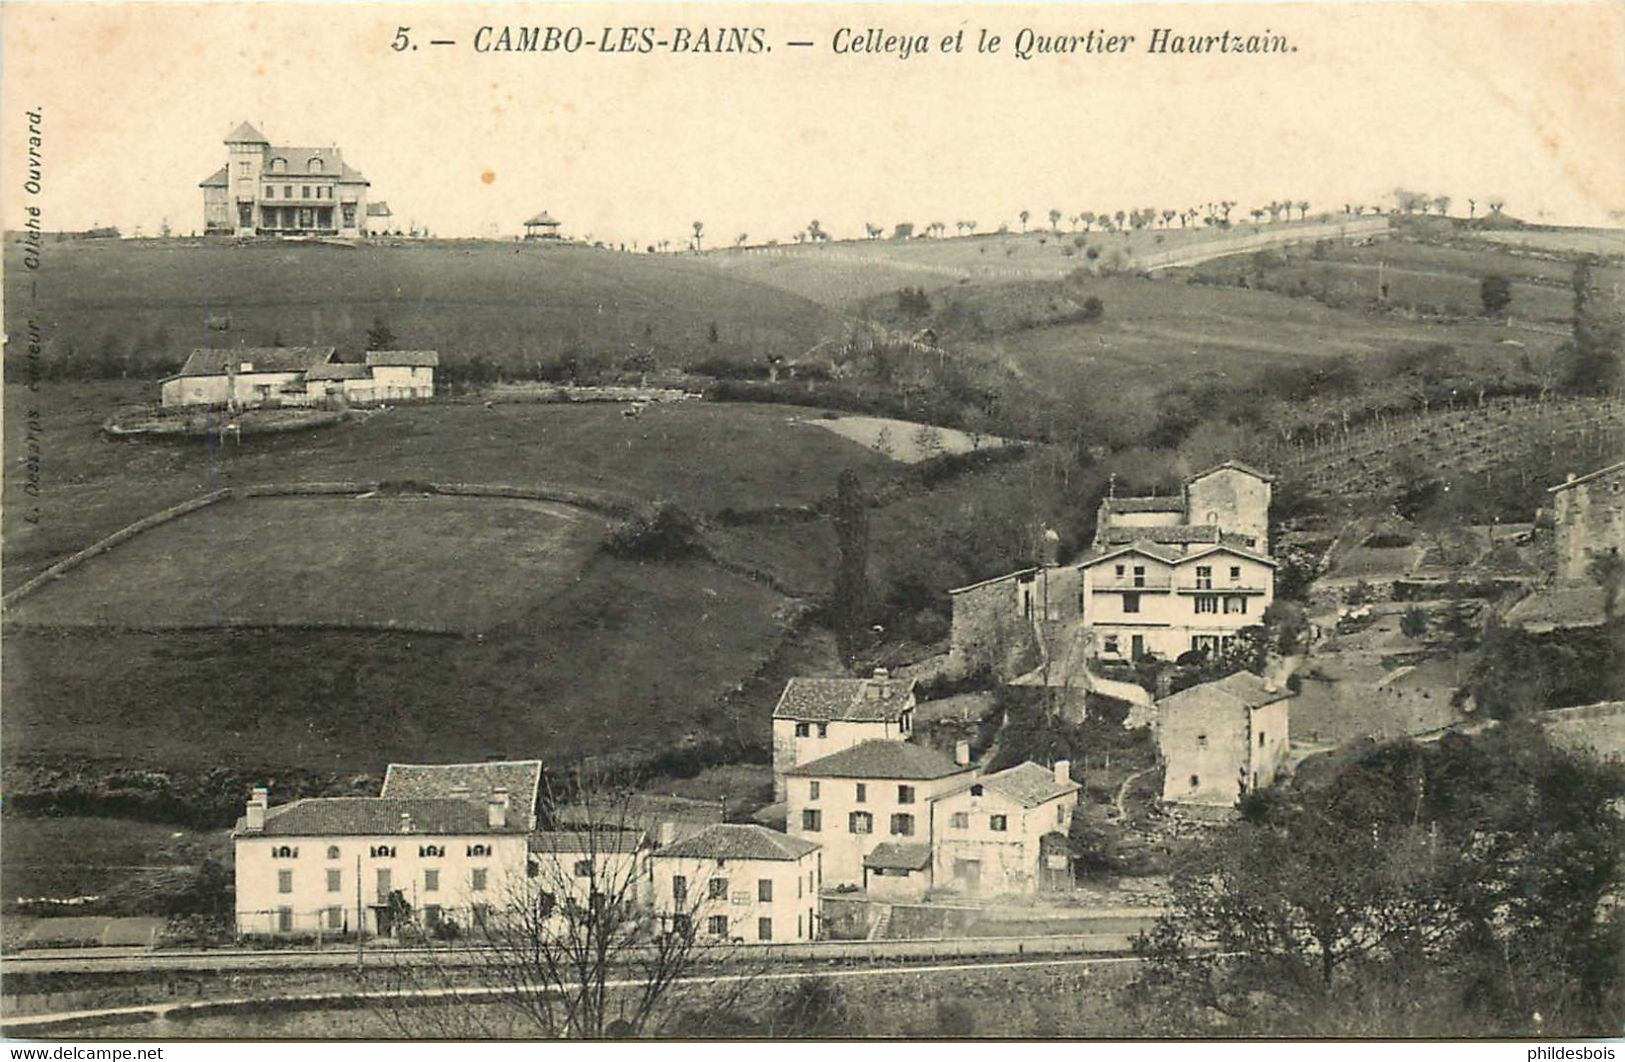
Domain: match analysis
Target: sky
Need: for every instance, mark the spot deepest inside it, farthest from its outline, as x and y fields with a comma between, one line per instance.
x=1519, y=102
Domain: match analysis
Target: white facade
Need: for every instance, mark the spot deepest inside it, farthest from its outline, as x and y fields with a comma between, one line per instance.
x=1143, y=599
x=990, y=840
x=1223, y=739
x=816, y=717
x=738, y=886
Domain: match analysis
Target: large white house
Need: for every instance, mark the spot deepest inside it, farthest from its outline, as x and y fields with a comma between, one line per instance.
x=1006, y=831
x=1146, y=598
x=879, y=792
x=818, y=716
x=740, y=883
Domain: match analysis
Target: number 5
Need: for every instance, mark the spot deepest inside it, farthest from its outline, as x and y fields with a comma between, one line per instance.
x=401, y=43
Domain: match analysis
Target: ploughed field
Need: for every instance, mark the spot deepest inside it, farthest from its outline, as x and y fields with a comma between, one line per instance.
x=430, y=563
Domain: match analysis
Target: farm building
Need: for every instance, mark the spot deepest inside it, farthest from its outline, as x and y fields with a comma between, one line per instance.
x=1229, y=502
x=250, y=377
x=266, y=190
x=380, y=219
x=1222, y=739
x=740, y=882
x=1590, y=515
x=1007, y=831
x=818, y=716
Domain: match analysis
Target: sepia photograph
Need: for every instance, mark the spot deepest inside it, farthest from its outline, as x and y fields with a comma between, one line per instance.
x=813, y=522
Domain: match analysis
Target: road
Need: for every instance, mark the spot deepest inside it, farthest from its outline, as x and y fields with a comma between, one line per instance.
x=64, y=1021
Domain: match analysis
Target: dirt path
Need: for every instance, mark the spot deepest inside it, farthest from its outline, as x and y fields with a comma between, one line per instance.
x=1122, y=790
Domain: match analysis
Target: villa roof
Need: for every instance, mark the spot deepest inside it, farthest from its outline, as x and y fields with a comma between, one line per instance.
x=1233, y=465
x=890, y=855
x=331, y=161
x=211, y=361
x=337, y=371
x=738, y=841
x=218, y=179
x=245, y=133
x=587, y=842
x=521, y=778
x=881, y=759
x=1156, y=551
x=1243, y=690
x=414, y=358
x=856, y=700
x=1588, y=477
x=1228, y=547
x=1176, y=535
x=380, y=816
x=1162, y=503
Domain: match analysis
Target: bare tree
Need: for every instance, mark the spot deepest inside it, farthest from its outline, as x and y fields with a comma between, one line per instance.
x=1024, y=216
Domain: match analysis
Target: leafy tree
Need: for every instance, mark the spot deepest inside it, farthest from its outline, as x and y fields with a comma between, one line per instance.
x=1607, y=570
x=1414, y=622
x=379, y=336
x=814, y=1007
x=1495, y=292
x=1598, y=344
x=699, y=235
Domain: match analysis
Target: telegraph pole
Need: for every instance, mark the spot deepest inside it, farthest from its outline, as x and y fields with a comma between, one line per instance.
x=359, y=916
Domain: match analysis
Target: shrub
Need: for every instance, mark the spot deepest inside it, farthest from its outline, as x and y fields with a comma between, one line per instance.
x=670, y=534
x=1495, y=292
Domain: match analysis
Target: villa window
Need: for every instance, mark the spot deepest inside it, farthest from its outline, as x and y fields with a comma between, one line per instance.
x=431, y=851
x=285, y=851
x=1206, y=603
x=1236, y=605
x=431, y=881
x=1195, y=781
x=287, y=191
x=1260, y=739
x=1204, y=577
x=1139, y=575
x=479, y=849
x=335, y=880
x=1121, y=571
x=863, y=792
x=959, y=820
x=1201, y=741
x=976, y=790
x=812, y=790
x=998, y=823
x=1131, y=602
x=383, y=851
x=764, y=890
x=1235, y=573
x=476, y=879
x=244, y=169
x=279, y=165
x=314, y=165
x=902, y=825
x=304, y=191
x=905, y=794
x=764, y=929
x=860, y=822
x=270, y=191
x=335, y=918
x=284, y=881
x=717, y=889
x=1109, y=645
x=717, y=925
x=812, y=820
x=332, y=851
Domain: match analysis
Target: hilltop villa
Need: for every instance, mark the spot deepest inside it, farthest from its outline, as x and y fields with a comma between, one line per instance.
x=268, y=190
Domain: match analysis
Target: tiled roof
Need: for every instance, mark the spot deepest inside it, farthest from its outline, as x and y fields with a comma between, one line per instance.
x=337, y=371
x=1162, y=503
x=1178, y=534
x=880, y=759
x=1028, y=783
x=218, y=179
x=642, y=810
x=299, y=159
x=1607, y=470
x=1226, y=547
x=205, y=361
x=1237, y=466
x=992, y=580
x=415, y=358
x=521, y=778
x=1241, y=690
x=865, y=700
x=738, y=841
x=375, y=816
x=889, y=855
x=245, y=134
x=587, y=842
x=1166, y=554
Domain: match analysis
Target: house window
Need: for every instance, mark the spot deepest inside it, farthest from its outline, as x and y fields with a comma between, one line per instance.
x=823, y=730
x=717, y=889
x=279, y=164
x=383, y=851
x=1206, y=603
x=860, y=822
x=1201, y=741
x=476, y=879
x=1235, y=605
x=287, y=191
x=998, y=823
x=1110, y=644
x=314, y=165
x=717, y=925
x=332, y=851
x=905, y=794
x=245, y=168
x=679, y=889
x=959, y=820
x=479, y=849
x=383, y=883
x=431, y=881
x=349, y=215
x=335, y=880
x=764, y=890
x=1131, y=602
x=803, y=730
x=335, y=918
x=863, y=792
x=902, y=825
x=431, y=851
x=1195, y=781
x=1260, y=739
x=1235, y=573
x=284, y=919
x=1121, y=571
x=1204, y=577
x=583, y=868
x=270, y=191
x=976, y=790
x=285, y=851
x=812, y=790
x=545, y=904
x=812, y=820
x=304, y=191
x=764, y=929
x=284, y=881
x=1139, y=575
x=1060, y=814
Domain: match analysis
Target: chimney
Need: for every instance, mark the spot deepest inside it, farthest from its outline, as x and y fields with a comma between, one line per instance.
x=1063, y=772
x=1049, y=548
x=496, y=809
x=258, y=800
x=962, y=753
x=406, y=822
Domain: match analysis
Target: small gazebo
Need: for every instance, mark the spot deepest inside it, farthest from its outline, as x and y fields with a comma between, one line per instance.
x=542, y=227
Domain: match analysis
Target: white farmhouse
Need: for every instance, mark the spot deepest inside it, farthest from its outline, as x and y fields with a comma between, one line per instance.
x=854, y=800
x=333, y=865
x=1222, y=739
x=1007, y=831
x=246, y=376
x=402, y=374
x=818, y=716
x=740, y=882
x=1147, y=598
